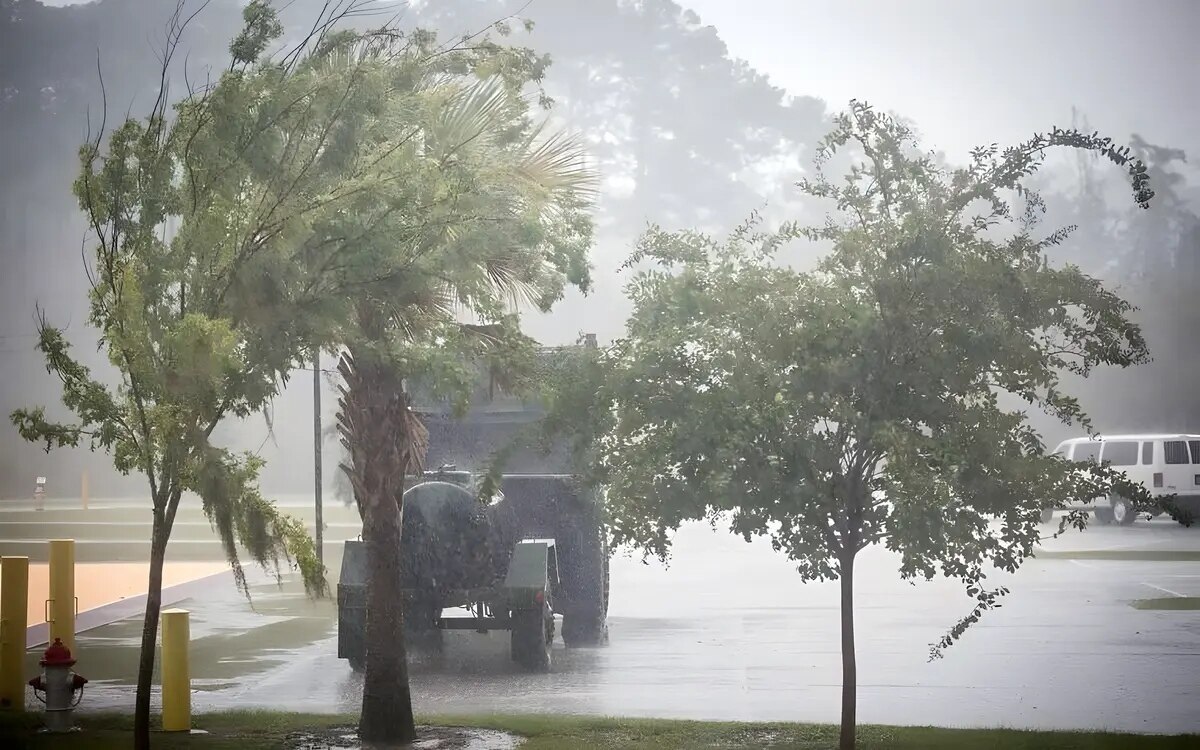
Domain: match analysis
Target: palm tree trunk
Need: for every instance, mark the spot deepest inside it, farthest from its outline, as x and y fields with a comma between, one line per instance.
x=849, y=662
x=145, y=677
x=387, y=715
x=385, y=442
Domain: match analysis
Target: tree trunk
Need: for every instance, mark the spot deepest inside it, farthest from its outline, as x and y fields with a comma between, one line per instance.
x=387, y=714
x=386, y=442
x=849, y=664
x=141, y=712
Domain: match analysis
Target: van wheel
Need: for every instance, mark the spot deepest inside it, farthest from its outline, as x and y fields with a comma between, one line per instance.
x=1123, y=511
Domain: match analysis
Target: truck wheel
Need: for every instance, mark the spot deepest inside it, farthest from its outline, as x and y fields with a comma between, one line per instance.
x=532, y=634
x=1103, y=516
x=1122, y=510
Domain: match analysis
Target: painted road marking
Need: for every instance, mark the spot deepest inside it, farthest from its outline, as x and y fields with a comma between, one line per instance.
x=1165, y=591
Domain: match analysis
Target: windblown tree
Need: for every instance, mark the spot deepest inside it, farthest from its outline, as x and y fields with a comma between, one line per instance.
x=857, y=404
x=490, y=215
x=204, y=224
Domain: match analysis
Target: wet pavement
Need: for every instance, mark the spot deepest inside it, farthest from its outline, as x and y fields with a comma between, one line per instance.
x=729, y=632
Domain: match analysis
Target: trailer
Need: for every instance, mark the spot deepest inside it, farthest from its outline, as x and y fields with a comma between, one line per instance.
x=535, y=551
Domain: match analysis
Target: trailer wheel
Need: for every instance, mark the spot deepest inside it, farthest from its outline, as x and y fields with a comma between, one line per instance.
x=532, y=635
x=421, y=632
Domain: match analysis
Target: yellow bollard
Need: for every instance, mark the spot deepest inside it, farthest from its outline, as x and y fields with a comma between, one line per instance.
x=14, y=619
x=61, y=605
x=176, y=682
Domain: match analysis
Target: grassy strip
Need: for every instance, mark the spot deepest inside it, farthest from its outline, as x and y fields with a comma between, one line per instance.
x=1166, y=555
x=259, y=730
x=1175, y=603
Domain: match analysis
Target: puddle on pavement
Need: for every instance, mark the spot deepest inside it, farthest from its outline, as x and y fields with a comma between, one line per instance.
x=428, y=738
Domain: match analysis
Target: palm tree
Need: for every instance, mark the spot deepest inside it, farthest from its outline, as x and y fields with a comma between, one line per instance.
x=492, y=215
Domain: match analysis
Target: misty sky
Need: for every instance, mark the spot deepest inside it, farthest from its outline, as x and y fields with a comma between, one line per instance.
x=969, y=72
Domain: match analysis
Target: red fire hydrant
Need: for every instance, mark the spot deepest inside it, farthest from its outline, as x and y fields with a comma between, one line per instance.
x=59, y=684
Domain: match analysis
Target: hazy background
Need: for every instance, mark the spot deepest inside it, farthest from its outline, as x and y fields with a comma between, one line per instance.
x=697, y=112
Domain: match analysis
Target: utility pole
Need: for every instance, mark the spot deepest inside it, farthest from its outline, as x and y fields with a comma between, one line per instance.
x=317, y=454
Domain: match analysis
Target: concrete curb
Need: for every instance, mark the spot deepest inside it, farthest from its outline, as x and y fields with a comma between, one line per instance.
x=130, y=606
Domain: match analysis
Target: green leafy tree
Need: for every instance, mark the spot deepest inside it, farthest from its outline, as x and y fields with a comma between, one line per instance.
x=204, y=224
x=857, y=404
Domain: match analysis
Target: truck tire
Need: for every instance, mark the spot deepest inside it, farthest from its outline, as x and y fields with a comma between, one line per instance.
x=532, y=636
x=1122, y=510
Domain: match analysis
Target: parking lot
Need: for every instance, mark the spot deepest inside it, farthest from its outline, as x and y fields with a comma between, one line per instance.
x=728, y=631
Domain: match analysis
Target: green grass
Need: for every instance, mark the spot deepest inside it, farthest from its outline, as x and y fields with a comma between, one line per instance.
x=1166, y=555
x=253, y=730
x=1169, y=603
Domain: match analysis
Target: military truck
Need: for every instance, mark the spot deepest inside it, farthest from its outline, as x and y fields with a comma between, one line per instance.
x=534, y=550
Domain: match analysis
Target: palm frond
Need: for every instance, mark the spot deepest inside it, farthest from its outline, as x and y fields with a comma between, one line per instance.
x=472, y=113
x=508, y=272
x=558, y=165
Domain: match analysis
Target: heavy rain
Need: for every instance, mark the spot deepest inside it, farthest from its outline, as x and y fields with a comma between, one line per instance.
x=599, y=374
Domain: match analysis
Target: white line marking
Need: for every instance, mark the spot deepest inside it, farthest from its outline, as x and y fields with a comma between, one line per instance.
x=1166, y=591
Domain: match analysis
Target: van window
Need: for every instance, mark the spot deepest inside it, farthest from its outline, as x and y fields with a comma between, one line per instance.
x=1123, y=453
x=1086, y=452
x=1176, y=451
x=1147, y=453
x=1194, y=446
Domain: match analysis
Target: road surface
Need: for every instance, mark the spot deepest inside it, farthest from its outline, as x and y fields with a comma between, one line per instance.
x=728, y=631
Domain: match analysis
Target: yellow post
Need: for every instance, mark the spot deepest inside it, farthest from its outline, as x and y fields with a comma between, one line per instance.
x=61, y=605
x=176, y=682
x=14, y=619
x=83, y=489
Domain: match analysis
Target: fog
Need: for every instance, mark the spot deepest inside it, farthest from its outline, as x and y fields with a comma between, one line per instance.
x=696, y=114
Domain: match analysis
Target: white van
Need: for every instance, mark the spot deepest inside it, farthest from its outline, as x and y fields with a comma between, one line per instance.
x=1164, y=464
